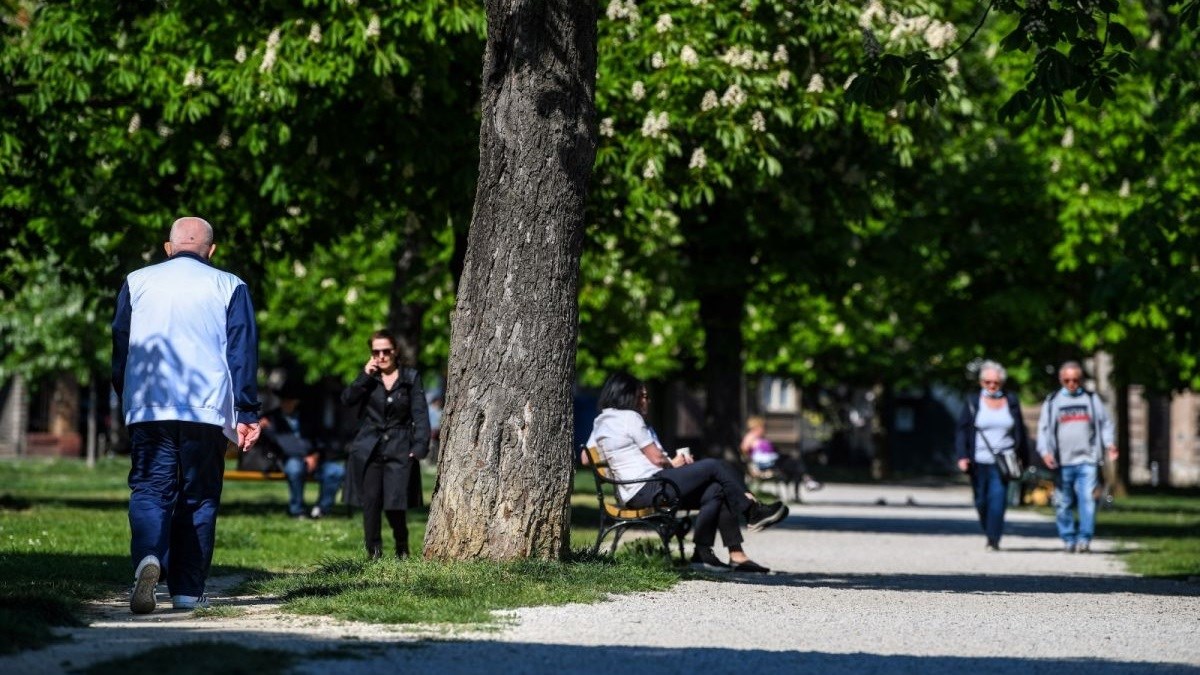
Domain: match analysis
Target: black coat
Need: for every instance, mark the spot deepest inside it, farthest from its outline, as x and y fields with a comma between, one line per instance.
x=964, y=437
x=394, y=424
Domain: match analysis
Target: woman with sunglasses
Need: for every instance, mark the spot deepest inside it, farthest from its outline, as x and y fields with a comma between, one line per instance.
x=990, y=424
x=393, y=434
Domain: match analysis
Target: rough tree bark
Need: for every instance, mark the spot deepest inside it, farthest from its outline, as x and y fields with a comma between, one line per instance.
x=504, y=468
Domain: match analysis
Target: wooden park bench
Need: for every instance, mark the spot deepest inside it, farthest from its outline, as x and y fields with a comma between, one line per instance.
x=664, y=517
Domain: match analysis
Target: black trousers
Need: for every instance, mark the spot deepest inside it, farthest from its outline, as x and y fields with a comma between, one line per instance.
x=714, y=489
x=372, y=505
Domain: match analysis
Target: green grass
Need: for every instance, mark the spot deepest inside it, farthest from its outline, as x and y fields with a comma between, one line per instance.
x=1160, y=531
x=64, y=540
x=418, y=591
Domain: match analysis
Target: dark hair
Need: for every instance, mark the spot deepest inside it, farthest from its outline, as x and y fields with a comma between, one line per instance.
x=621, y=391
x=382, y=334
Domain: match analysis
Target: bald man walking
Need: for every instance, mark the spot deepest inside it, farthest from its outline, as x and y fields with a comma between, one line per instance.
x=185, y=356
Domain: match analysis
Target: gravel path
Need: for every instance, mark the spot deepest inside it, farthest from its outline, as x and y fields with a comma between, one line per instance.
x=888, y=579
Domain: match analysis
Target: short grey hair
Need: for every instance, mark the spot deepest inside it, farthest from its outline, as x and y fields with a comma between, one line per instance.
x=184, y=233
x=1070, y=365
x=995, y=367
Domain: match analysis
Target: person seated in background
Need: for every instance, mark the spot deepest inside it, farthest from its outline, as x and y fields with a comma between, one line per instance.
x=296, y=443
x=710, y=486
x=766, y=462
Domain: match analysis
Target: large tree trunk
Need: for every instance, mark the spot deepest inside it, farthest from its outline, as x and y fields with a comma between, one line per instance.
x=504, y=470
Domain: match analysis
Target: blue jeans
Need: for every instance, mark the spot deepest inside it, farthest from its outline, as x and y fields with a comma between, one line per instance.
x=175, y=475
x=1073, y=488
x=329, y=475
x=991, y=499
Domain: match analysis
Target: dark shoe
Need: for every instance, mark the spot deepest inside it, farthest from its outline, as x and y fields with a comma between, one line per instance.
x=1083, y=547
x=374, y=552
x=1069, y=548
x=401, y=553
x=760, y=516
x=704, y=559
x=142, y=601
x=750, y=566
x=992, y=547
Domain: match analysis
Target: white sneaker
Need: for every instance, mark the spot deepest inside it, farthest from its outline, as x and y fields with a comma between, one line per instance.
x=145, y=579
x=316, y=513
x=189, y=602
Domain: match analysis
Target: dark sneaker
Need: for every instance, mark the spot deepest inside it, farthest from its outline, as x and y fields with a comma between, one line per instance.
x=750, y=566
x=145, y=579
x=704, y=559
x=1069, y=547
x=762, y=516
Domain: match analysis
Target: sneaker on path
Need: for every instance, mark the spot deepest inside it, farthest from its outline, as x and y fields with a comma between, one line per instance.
x=316, y=513
x=189, y=602
x=1083, y=547
x=812, y=484
x=704, y=559
x=762, y=516
x=141, y=601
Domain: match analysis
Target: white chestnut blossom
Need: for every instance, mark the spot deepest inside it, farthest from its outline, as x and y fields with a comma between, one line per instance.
x=623, y=9
x=655, y=124
x=163, y=130
x=938, y=35
x=952, y=66
x=314, y=33
x=699, y=160
x=1055, y=165
x=873, y=10
x=816, y=84
x=638, y=91
x=709, y=101
x=294, y=211
x=1068, y=137
x=656, y=61
x=663, y=24
x=606, y=127
x=268, y=61
x=372, y=30
x=758, y=122
x=738, y=57
x=780, y=55
x=135, y=123
x=299, y=270
x=784, y=79
x=733, y=97
x=688, y=56
x=1084, y=188
x=240, y=54
x=1123, y=193
x=224, y=140
x=193, y=79
x=650, y=171
x=273, y=39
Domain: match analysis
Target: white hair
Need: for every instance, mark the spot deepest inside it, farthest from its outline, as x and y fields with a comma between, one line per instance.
x=994, y=367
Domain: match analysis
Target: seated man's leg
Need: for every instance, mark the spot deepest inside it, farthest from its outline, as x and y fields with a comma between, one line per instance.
x=330, y=474
x=294, y=469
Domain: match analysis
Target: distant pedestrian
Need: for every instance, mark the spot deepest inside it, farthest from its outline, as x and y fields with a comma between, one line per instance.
x=393, y=434
x=990, y=424
x=185, y=356
x=1074, y=432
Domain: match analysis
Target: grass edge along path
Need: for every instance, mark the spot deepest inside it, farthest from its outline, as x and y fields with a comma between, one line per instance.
x=416, y=591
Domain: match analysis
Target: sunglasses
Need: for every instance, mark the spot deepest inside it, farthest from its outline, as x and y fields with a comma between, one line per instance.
x=382, y=352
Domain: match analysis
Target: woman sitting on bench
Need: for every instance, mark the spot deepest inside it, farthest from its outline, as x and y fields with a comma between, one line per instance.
x=710, y=486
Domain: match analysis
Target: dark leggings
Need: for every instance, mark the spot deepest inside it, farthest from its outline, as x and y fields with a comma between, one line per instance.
x=714, y=489
x=372, y=504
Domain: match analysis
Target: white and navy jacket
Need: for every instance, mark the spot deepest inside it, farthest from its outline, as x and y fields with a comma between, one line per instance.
x=185, y=346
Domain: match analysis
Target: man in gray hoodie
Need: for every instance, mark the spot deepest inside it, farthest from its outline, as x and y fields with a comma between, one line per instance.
x=1074, y=431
